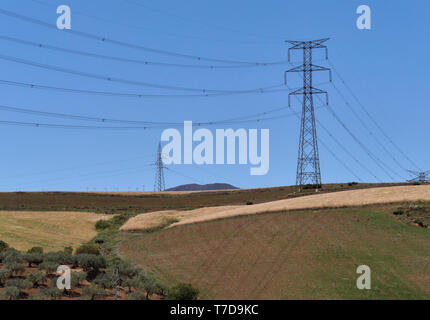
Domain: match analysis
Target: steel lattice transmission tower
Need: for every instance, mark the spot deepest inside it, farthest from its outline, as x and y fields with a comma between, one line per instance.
x=308, y=164
x=159, y=184
x=420, y=176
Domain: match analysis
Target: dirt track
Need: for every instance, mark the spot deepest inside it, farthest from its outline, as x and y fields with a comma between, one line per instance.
x=329, y=200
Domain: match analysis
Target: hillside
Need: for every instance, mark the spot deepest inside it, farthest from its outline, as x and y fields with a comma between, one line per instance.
x=349, y=198
x=295, y=255
x=228, y=245
x=204, y=187
x=138, y=202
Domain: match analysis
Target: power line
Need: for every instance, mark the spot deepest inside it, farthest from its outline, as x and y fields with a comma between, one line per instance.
x=158, y=31
x=183, y=175
x=237, y=120
x=370, y=132
x=123, y=94
x=332, y=153
x=129, y=82
x=135, y=61
x=341, y=145
x=64, y=126
x=378, y=162
x=372, y=119
x=84, y=177
x=155, y=126
x=122, y=43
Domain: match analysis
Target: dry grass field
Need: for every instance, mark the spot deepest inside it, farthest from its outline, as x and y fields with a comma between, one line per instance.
x=350, y=198
x=50, y=230
x=149, y=201
x=291, y=255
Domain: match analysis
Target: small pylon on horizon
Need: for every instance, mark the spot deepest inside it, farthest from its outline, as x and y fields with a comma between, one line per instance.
x=159, y=184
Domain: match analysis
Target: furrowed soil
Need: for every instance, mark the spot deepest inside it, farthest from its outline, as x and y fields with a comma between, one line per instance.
x=309, y=254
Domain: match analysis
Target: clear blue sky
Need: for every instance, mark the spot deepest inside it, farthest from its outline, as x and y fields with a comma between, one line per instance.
x=387, y=68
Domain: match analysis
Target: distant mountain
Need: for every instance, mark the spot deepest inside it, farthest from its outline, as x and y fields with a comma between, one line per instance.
x=205, y=187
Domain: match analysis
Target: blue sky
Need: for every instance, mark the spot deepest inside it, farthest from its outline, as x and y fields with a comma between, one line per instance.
x=386, y=67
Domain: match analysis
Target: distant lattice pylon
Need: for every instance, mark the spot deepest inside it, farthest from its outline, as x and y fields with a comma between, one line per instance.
x=420, y=176
x=159, y=184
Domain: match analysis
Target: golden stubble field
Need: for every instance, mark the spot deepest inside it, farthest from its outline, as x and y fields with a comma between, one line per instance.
x=351, y=198
x=50, y=230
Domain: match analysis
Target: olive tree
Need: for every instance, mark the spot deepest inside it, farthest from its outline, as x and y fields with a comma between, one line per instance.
x=10, y=293
x=94, y=292
x=36, y=278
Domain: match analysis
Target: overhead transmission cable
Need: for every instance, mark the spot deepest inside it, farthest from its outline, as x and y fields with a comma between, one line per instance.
x=122, y=43
x=124, y=94
x=378, y=162
x=130, y=82
x=343, y=148
x=247, y=118
x=144, y=124
x=379, y=127
x=373, y=136
x=334, y=155
x=158, y=31
x=135, y=61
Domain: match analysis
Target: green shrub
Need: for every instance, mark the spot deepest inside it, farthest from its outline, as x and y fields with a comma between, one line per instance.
x=14, y=267
x=137, y=282
x=77, y=278
x=183, y=291
x=33, y=258
x=152, y=286
x=126, y=270
x=398, y=212
x=136, y=296
x=68, y=251
x=104, y=280
x=420, y=223
x=4, y=276
x=249, y=203
x=48, y=266
x=52, y=293
x=103, y=225
x=94, y=292
x=88, y=248
x=59, y=257
x=36, y=278
x=18, y=283
x=12, y=256
x=3, y=246
x=90, y=262
x=10, y=293
x=35, y=250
